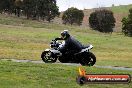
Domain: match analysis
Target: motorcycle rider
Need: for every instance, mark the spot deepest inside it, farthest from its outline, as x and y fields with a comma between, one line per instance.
x=71, y=45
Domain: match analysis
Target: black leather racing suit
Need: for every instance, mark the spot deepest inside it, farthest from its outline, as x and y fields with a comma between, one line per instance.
x=71, y=46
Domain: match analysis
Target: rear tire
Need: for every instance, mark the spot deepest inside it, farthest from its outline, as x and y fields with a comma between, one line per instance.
x=47, y=57
x=88, y=59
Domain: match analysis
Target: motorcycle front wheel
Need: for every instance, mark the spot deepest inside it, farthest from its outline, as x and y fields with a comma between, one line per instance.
x=88, y=59
x=48, y=57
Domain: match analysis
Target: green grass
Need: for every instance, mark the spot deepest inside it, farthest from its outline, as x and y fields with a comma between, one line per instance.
x=121, y=8
x=29, y=75
x=27, y=41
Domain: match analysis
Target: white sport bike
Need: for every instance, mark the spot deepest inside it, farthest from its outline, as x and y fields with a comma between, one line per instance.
x=84, y=57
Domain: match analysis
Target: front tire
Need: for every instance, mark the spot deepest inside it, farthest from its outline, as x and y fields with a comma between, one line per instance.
x=88, y=59
x=48, y=57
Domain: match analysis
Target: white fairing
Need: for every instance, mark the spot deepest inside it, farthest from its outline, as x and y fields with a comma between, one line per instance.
x=62, y=44
x=87, y=49
x=47, y=50
x=55, y=51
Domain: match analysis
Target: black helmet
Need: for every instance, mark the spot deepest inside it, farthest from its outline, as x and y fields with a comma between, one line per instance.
x=65, y=34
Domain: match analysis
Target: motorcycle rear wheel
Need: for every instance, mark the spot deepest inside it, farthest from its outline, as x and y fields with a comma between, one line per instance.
x=88, y=59
x=47, y=57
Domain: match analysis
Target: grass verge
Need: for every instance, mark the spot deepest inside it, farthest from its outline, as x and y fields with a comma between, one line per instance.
x=31, y=75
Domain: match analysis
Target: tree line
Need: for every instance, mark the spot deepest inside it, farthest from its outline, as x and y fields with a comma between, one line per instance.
x=34, y=9
x=101, y=20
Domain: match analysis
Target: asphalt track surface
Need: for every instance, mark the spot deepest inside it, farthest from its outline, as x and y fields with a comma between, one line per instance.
x=72, y=64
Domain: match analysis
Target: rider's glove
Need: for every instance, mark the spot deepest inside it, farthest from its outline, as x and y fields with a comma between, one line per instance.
x=56, y=38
